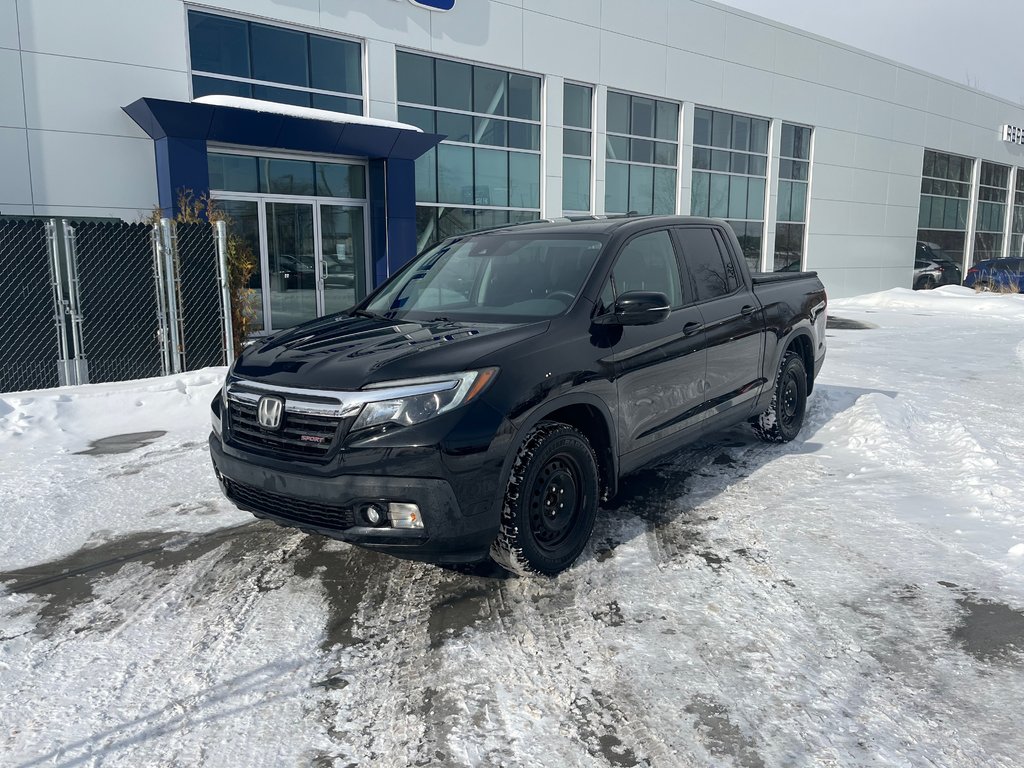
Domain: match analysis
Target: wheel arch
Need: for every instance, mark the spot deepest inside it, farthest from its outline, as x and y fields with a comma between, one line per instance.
x=591, y=416
x=802, y=343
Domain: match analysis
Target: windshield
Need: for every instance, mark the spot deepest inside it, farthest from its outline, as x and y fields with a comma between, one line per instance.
x=488, y=278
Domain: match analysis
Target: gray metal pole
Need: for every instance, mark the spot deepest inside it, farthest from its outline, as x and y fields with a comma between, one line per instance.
x=221, y=230
x=74, y=303
x=163, y=334
x=64, y=366
x=167, y=238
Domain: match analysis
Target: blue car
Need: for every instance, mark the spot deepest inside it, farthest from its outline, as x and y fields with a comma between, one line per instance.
x=997, y=275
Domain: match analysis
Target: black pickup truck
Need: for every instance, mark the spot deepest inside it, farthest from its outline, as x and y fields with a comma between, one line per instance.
x=487, y=397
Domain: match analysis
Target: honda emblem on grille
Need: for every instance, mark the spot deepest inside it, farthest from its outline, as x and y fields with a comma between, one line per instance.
x=270, y=411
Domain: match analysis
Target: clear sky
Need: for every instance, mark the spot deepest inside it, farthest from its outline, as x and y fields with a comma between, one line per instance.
x=975, y=42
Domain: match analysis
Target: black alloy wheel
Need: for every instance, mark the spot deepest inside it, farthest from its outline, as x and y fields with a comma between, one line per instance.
x=550, y=503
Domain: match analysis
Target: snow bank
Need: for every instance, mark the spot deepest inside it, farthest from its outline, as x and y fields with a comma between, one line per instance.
x=950, y=298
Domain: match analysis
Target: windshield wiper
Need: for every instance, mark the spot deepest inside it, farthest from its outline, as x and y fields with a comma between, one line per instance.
x=367, y=313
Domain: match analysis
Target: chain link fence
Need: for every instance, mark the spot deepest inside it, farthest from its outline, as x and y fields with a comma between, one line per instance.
x=201, y=310
x=28, y=315
x=99, y=301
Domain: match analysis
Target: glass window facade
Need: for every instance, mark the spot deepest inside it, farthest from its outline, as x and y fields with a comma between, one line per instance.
x=730, y=170
x=577, y=141
x=993, y=193
x=791, y=219
x=234, y=57
x=945, y=205
x=487, y=171
x=277, y=176
x=1017, y=238
x=642, y=155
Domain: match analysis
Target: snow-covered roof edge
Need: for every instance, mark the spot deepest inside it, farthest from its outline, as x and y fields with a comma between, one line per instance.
x=258, y=105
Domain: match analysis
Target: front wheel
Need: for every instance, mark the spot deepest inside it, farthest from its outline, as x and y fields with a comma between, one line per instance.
x=782, y=421
x=550, y=502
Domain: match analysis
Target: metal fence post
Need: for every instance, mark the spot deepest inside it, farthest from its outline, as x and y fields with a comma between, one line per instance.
x=163, y=335
x=173, y=293
x=221, y=229
x=81, y=363
x=65, y=373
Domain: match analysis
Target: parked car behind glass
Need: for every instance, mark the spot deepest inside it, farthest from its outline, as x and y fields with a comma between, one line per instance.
x=997, y=275
x=933, y=268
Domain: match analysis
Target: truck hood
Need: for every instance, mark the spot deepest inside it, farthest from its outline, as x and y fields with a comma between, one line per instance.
x=347, y=353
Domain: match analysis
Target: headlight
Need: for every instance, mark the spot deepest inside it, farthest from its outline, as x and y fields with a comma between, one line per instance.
x=413, y=401
x=216, y=411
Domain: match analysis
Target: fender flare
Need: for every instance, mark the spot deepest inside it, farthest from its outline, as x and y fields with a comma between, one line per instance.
x=538, y=415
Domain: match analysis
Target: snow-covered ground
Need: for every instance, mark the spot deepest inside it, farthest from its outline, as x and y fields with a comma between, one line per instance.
x=852, y=598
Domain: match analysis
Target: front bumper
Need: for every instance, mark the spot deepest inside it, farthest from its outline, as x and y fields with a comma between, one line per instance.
x=327, y=506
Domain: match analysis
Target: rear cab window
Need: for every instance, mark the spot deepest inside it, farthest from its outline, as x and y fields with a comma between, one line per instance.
x=712, y=271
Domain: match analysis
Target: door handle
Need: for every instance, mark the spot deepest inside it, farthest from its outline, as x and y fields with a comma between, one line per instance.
x=748, y=310
x=691, y=328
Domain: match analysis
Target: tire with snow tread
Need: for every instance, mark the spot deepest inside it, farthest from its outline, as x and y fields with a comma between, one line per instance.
x=782, y=420
x=550, y=502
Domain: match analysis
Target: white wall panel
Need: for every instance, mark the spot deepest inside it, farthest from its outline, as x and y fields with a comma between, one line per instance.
x=936, y=132
x=693, y=78
x=150, y=34
x=12, y=99
x=908, y=125
x=398, y=23
x=831, y=182
x=749, y=42
x=834, y=147
x=872, y=154
x=60, y=93
x=904, y=191
x=645, y=19
x=304, y=12
x=696, y=27
x=912, y=89
x=840, y=68
x=868, y=186
x=380, y=59
x=797, y=55
x=877, y=78
x=582, y=11
x=907, y=160
x=746, y=89
x=633, y=65
x=15, y=185
x=8, y=24
x=875, y=117
x=486, y=32
x=545, y=48
x=109, y=171
x=901, y=221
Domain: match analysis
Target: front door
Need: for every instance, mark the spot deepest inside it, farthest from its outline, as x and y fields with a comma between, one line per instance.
x=660, y=368
x=311, y=256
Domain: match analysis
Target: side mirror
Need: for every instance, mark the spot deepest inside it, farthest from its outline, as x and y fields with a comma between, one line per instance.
x=638, y=308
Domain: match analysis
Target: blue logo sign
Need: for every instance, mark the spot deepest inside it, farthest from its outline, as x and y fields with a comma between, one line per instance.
x=434, y=5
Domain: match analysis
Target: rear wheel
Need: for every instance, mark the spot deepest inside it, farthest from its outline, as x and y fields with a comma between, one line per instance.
x=782, y=421
x=926, y=283
x=550, y=502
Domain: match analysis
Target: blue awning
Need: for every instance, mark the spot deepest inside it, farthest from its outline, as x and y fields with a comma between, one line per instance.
x=162, y=119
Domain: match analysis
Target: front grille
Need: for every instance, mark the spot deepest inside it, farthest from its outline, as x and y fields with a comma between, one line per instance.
x=301, y=435
x=294, y=510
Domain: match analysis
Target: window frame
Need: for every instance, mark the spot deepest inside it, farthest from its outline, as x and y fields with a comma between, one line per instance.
x=362, y=97
x=732, y=274
x=685, y=290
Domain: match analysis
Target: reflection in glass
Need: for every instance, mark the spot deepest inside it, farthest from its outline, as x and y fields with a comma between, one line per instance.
x=244, y=221
x=343, y=251
x=291, y=258
x=575, y=184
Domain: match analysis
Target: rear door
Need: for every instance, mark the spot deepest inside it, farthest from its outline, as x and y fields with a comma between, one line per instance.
x=659, y=368
x=732, y=316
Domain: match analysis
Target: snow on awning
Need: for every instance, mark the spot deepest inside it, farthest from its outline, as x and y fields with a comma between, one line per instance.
x=310, y=113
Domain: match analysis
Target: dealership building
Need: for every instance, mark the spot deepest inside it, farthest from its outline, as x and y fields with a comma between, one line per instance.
x=341, y=136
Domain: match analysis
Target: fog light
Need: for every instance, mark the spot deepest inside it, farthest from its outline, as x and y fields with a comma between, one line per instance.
x=373, y=513
x=405, y=515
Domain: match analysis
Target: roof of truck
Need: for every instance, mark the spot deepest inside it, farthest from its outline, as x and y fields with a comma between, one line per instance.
x=589, y=225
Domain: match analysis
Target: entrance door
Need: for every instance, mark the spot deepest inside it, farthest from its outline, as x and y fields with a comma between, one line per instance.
x=342, y=256
x=291, y=264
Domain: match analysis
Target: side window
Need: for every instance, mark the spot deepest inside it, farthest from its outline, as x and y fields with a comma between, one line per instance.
x=607, y=298
x=705, y=262
x=648, y=263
